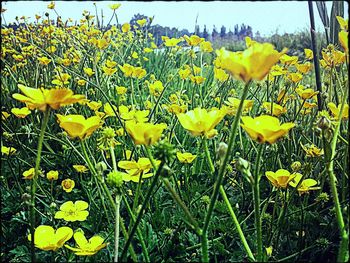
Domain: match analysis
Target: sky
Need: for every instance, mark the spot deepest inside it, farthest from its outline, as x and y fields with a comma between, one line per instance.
x=267, y=17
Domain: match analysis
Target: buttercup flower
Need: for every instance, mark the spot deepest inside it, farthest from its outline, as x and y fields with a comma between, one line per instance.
x=68, y=185
x=265, y=128
x=144, y=133
x=253, y=63
x=185, y=157
x=280, y=178
x=73, y=212
x=201, y=122
x=21, y=113
x=80, y=168
x=135, y=169
x=312, y=150
x=305, y=185
x=41, y=98
x=85, y=247
x=305, y=93
x=277, y=109
x=52, y=175
x=29, y=174
x=47, y=238
x=233, y=104
x=193, y=40
x=78, y=126
x=336, y=110
x=8, y=150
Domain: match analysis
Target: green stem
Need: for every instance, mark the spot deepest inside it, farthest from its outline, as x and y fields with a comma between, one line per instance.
x=343, y=254
x=207, y=154
x=256, y=197
x=34, y=181
x=116, y=232
x=238, y=226
x=205, y=257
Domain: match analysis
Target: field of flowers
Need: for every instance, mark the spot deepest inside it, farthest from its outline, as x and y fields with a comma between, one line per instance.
x=115, y=149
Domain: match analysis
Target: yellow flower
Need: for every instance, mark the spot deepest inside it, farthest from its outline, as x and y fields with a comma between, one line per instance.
x=201, y=122
x=305, y=93
x=81, y=82
x=126, y=27
x=78, y=126
x=269, y=251
x=110, y=63
x=305, y=186
x=29, y=174
x=280, y=178
x=249, y=42
x=121, y=90
x=44, y=61
x=288, y=60
x=135, y=169
x=220, y=74
x=185, y=157
x=108, y=71
x=336, y=110
x=253, y=63
x=41, y=98
x=172, y=42
x=80, y=168
x=51, y=5
x=114, y=6
x=20, y=113
x=344, y=24
x=304, y=68
x=156, y=88
x=85, y=247
x=295, y=77
x=52, y=175
x=46, y=238
x=145, y=133
x=277, y=110
x=343, y=39
x=233, y=103
x=197, y=79
x=73, y=212
x=89, y=72
x=184, y=73
x=308, y=53
x=265, y=128
x=206, y=46
x=312, y=150
x=193, y=40
x=4, y=115
x=94, y=105
x=141, y=22
x=8, y=150
x=68, y=185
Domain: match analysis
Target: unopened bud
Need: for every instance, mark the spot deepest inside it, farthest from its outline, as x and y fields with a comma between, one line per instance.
x=324, y=123
x=101, y=167
x=115, y=178
x=222, y=150
x=295, y=166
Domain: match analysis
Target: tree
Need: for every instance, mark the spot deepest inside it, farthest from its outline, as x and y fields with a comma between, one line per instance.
x=205, y=33
x=223, y=32
x=197, y=31
x=215, y=33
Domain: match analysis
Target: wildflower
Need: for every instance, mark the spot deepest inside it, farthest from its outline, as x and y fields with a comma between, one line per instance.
x=156, y=88
x=44, y=61
x=4, y=115
x=41, y=98
x=336, y=110
x=29, y=174
x=269, y=251
x=73, y=212
x=51, y=5
x=201, y=122
x=265, y=128
x=185, y=157
x=68, y=185
x=305, y=186
x=184, y=73
x=197, y=79
x=305, y=93
x=8, y=150
x=288, y=60
x=89, y=71
x=21, y=113
x=220, y=74
x=304, y=68
x=145, y=133
x=135, y=169
x=277, y=110
x=108, y=109
x=141, y=22
x=280, y=178
x=253, y=63
x=295, y=77
x=108, y=71
x=85, y=247
x=110, y=63
x=114, y=6
x=52, y=175
x=295, y=166
x=308, y=53
x=78, y=126
x=81, y=82
x=47, y=238
x=94, y=105
x=343, y=39
x=126, y=27
x=206, y=46
x=121, y=90
x=344, y=24
x=233, y=104
x=172, y=42
x=193, y=40
x=80, y=168
x=312, y=150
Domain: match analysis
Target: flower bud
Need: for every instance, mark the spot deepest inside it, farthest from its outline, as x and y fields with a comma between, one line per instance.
x=221, y=151
x=295, y=166
x=101, y=167
x=115, y=178
x=324, y=123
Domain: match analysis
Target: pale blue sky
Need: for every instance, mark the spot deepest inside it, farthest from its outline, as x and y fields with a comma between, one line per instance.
x=266, y=17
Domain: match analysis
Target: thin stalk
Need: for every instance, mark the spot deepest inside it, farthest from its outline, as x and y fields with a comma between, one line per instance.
x=237, y=225
x=34, y=181
x=204, y=237
x=116, y=229
x=256, y=197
